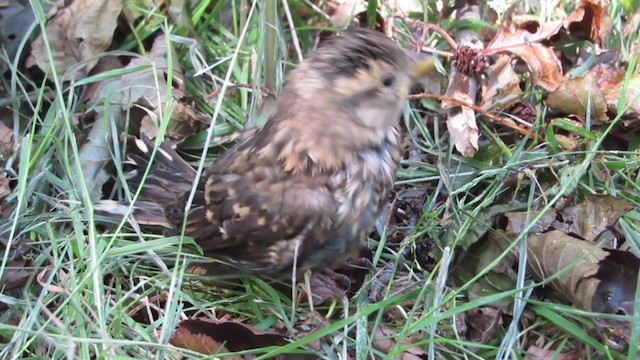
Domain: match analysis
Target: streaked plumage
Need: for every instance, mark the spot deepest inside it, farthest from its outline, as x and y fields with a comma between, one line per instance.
x=312, y=180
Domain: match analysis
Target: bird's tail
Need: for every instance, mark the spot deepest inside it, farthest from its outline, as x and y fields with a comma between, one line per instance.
x=163, y=179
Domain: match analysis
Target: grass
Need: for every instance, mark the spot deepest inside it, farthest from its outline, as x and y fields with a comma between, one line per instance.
x=100, y=291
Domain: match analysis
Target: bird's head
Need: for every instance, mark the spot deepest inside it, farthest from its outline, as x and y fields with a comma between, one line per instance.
x=347, y=96
x=363, y=73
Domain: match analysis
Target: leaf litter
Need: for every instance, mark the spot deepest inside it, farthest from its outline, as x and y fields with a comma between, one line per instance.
x=525, y=59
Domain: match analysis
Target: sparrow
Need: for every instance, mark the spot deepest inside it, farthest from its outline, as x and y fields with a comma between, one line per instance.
x=306, y=187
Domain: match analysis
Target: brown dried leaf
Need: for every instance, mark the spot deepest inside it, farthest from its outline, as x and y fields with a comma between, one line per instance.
x=77, y=32
x=613, y=92
x=6, y=133
x=15, y=20
x=18, y=269
x=201, y=343
x=518, y=221
x=594, y=215
x=544, y=65
x=5, y=189
x=461, y=121
x=537, y=353
x=308, y=324
x=586, y=20
x=594, y=279
x=502, y=88
x=147, y=89
x=482, y=324
x=573, y=96
x=206, y=335
x=326, y=288
x=386, y=339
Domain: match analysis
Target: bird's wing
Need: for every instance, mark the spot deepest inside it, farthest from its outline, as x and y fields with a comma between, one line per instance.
x=258, y=208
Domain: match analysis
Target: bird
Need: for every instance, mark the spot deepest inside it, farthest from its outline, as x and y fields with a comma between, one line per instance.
x=305, y=188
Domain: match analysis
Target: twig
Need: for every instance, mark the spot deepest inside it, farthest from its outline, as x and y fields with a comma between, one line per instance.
x=439, y=30
x=502, y=121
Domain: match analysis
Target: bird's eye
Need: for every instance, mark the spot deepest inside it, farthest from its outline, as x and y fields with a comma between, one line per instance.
x=388, y=80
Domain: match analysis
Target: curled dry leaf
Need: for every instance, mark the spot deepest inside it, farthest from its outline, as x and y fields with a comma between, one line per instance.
x=147, y=89
x=585, y=22
x=183, y=337
x=594, y=215
x=207, y=336
x=544, y=65
x=328, y=287
x=386, y=340
x=537, y=353
x=95, y=150
x=5, y=188
x=6, y=140
x=461, y=121
x=613, y=92
x=18, y=269
x=502, y=87
x=574, y=95
x=15, y=20
x=76, y=32
x=498, y=279
x=518, y=222
x=594, y=279
x=482, y=324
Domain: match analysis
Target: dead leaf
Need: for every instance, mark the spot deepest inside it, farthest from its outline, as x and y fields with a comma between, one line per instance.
x=574, y=95
x=147, y=89
x=326, y=288
x=201, y=343
x=386, y=340
x=499, y=278
x=6, y=139
x=594, y=215
x=76, y=32
x=537, y=353
x=461, y=121
x=206, y=335
x=594, y=279
x=613, y=93
x=502, y=86
x=585, y=21
x=18, y=269
x=5, y=188
x=95, y=150
x=518, y=222
x=482, y=324
x=15, y=20
x=544, y=65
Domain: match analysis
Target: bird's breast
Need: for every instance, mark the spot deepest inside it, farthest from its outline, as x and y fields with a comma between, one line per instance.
x=362, y=188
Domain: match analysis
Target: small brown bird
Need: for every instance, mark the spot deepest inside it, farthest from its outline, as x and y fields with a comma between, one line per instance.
x=310, y=182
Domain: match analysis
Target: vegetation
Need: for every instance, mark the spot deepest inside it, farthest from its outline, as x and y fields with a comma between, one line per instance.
x=513, y=231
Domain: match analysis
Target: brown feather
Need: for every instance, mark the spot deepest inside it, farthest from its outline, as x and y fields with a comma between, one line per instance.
x=312, y=180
